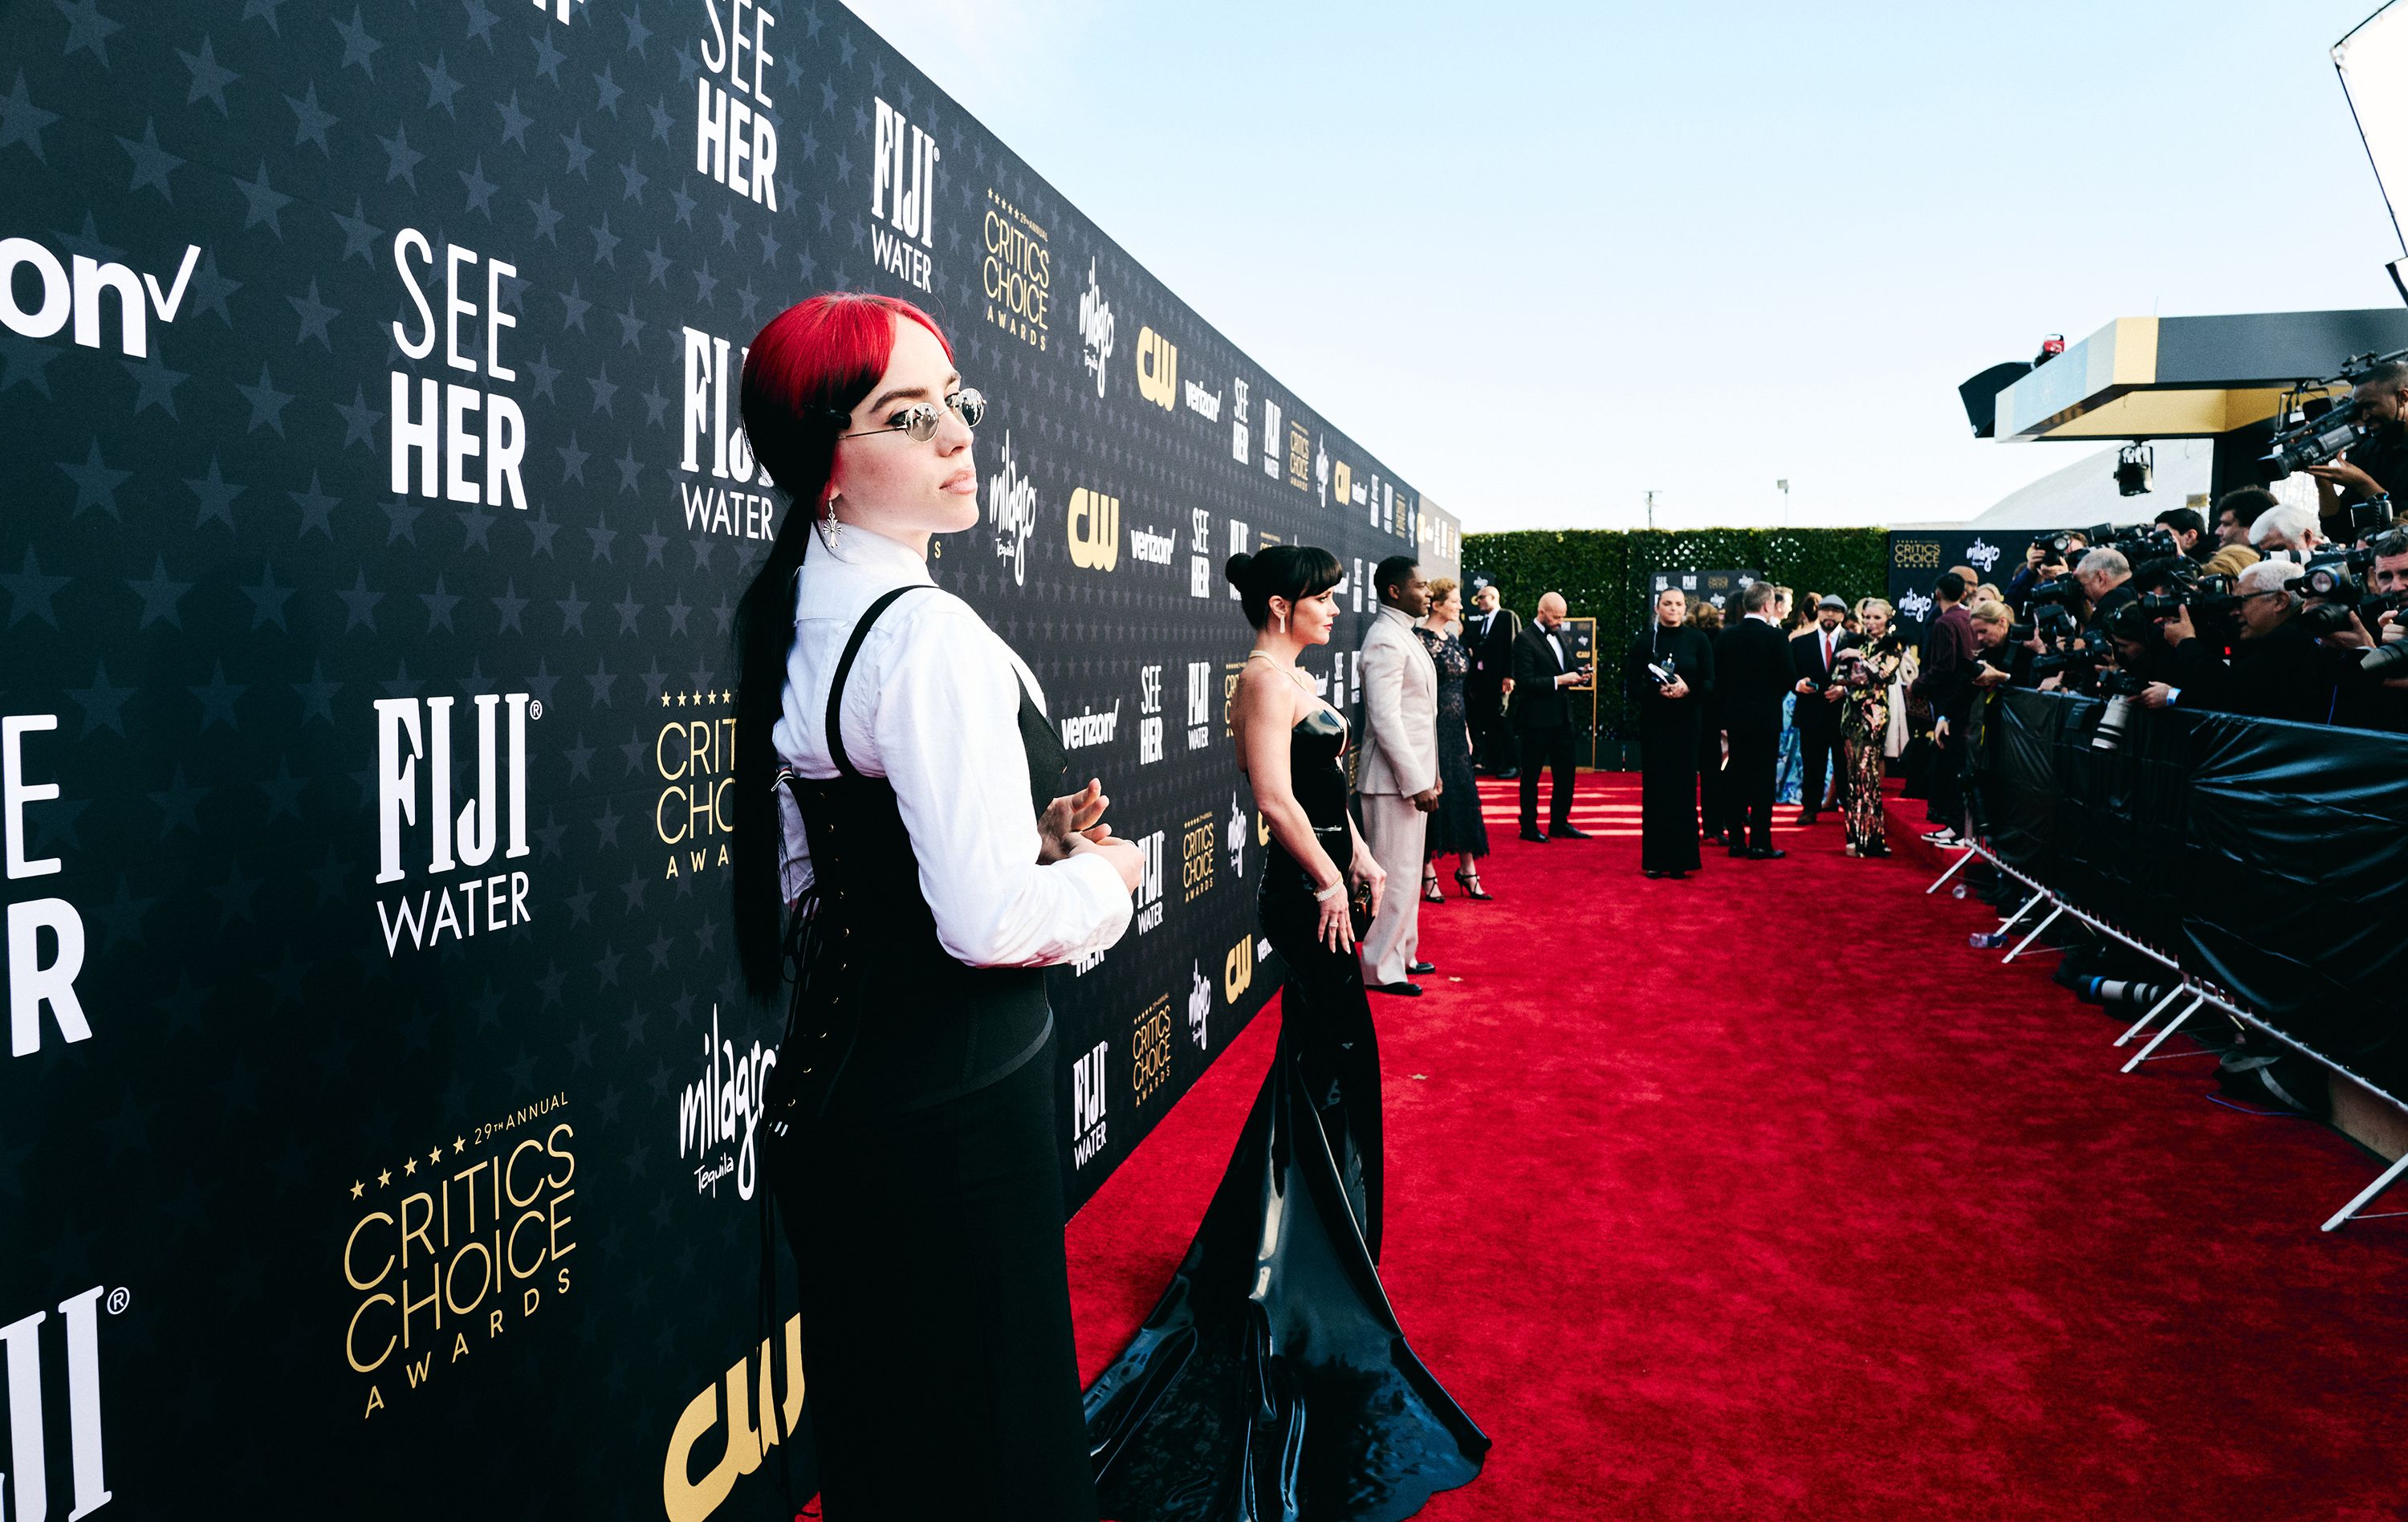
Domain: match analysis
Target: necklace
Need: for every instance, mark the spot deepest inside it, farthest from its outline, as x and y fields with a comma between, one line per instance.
x=1294, y=675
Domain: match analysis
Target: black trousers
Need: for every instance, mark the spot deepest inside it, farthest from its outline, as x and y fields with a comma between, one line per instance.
x=1946, y=807
x=1713, y=783
x=1550, y=747
x=1754, y=757
x=1819, y=749
x=936, y=1310
x=1492, y=739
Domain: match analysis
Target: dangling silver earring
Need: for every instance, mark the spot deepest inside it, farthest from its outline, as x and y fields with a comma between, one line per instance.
x=834, y=529
x=1282, y=622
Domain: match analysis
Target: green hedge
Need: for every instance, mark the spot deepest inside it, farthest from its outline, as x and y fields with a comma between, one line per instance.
x=1603, y=574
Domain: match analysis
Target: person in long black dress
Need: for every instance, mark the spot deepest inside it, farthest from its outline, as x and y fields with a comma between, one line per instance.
x=1272, y=1380
x=908, y=1130
x=1456, y=826
x=1669, y=674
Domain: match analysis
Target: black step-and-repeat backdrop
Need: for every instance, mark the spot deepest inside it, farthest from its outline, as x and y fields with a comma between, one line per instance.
x=373, y=1128
x=1918, y=557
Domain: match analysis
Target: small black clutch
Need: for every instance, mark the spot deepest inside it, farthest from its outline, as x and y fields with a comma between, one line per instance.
x=1358, y=907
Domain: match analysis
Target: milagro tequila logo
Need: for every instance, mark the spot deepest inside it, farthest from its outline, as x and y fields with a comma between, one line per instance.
x=903, y=196
x=411, y=730
x=720, y=1110
x=1011, y=509
x=1981, y=555
x=1234, y=836
x=1094, y=328
x=1199, y=1004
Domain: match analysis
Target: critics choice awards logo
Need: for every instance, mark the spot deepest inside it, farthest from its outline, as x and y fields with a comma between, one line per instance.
x=1199, y=839
x=695, y=813
x=472, y=1243
x=1017, y=273
x=1150, y=1049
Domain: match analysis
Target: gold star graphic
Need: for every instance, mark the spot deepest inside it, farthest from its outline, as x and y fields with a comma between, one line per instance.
x=434, y=1157
x=680, y=700
x=384, y=1178
x=357, y=1189
x=409, y=1166
x=458, y=1146
x=665, y=699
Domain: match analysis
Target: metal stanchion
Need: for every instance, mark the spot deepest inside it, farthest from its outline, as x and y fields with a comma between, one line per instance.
x=2203, y=995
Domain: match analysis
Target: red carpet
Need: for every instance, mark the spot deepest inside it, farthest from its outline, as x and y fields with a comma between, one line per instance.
x=1761, y=1195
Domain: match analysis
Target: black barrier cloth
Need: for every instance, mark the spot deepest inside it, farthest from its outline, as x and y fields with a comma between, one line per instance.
x=2269, y=859
x=372, y=516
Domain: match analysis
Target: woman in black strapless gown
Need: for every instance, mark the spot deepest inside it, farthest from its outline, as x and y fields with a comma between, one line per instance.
x=1272, y=1383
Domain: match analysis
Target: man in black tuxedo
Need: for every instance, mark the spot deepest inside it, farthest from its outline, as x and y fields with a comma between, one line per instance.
x=1752, y=675
x=1818, y=714
x=1544, y=671
x=1489, y=634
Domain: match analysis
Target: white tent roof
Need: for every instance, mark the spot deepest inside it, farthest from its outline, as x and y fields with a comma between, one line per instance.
x=2084, y=492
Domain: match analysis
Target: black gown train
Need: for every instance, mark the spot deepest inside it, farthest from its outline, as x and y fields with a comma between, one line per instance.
x=1272, y=1383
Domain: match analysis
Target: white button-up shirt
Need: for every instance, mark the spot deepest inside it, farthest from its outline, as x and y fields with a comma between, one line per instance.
x=933, y=706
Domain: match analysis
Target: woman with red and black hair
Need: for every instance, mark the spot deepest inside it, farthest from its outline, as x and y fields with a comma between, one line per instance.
x=899, y=857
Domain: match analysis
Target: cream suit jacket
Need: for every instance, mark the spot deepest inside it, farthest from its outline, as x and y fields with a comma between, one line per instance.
x=1399, y=706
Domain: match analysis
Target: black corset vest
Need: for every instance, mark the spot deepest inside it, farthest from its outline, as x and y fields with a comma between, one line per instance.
x=882, y=1019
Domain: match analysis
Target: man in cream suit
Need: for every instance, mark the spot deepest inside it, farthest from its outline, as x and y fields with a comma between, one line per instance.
x=1396, y=776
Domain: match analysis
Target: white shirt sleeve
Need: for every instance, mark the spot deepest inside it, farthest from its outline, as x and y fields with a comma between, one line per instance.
x=947, y=731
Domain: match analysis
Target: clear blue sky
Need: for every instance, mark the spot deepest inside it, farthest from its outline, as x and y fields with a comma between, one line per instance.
x=1545, y=258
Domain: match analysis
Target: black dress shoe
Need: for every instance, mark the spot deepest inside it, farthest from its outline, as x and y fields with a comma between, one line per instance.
x=1676, y=876
x=1559, y=832
x=1807, y=818
x=1508, y=774
x=1419, y=969
x=1766, y=853
x=1403, y=990
x=1538, y=836
x=1650, y=871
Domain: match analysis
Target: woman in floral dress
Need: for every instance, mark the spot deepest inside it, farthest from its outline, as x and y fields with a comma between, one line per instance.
x=1869, y=663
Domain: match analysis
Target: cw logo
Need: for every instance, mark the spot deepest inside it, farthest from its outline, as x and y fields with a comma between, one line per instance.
x=1157, y=368
x=1237, y=969
x=1095, y=530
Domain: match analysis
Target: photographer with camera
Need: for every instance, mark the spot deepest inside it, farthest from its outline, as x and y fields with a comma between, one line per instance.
x=2189, y=531
x=2286, y=532
x=2278, y=671
x=2105, y=578
x=2378, y=461
x=2046, y=560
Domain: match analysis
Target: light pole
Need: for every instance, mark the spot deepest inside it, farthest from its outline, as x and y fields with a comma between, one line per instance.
x=1784, y=485
x=1651, y=510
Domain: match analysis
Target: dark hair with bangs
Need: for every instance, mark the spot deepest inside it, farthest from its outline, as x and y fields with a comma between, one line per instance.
x=1293, y=571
